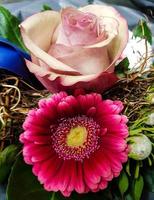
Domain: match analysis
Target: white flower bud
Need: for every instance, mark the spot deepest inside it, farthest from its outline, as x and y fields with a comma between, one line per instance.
x=140, y=148
x=150, y=120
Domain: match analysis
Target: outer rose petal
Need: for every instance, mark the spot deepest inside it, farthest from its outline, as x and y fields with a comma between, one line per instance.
x=38, y=32
x=54, y=83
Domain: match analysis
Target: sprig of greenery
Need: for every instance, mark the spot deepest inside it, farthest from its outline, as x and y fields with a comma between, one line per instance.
x=9, y=28
x=142, y=30
x=122, y=68
x=46, y=7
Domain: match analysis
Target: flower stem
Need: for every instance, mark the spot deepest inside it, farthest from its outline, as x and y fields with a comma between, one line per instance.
x=138, y=123
x=139, y=131
x=136, y=175
x=53, y=196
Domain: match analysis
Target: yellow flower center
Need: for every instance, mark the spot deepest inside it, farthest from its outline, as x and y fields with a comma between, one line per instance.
x=77, y=136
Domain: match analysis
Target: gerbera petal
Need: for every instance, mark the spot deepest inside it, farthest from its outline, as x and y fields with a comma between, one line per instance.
x=114, y=143
x=113, y=119
x=45, y=170
x=103, y=184
x=108, y=106
x=80, y=185
x=62, y=177
x=102, y=165
x=66, y=193
x=37, y=157
x=90, y=172
x=73, y=176
x=36, y=168
x=64, y=109
x=28, y=125
x=51, y=181
x=74, y=145
x=39, y=139
x=28, y=160
x=115, y=163
x=118, y=129
x=88, y=101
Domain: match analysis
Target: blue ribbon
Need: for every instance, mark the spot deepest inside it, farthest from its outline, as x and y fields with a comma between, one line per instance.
x=12, y=59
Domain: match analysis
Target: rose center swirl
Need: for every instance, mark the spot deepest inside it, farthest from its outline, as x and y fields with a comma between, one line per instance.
x=76, y=138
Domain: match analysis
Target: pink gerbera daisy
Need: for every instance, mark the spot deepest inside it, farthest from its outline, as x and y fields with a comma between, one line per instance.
x=75, y=143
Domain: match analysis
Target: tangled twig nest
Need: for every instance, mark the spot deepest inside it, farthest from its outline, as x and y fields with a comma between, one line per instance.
x=132, y=94
x=17, y=97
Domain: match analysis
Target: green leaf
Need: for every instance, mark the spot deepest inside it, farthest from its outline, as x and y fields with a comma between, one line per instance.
x=122, y=68
x=4, y=172
x=7, y=157
x=143, y=31
x=46, y=7
x=123, y=183
x=149, y=179
x=9, y=28
x=129, y=197
x=138, y=188
x=23, y=185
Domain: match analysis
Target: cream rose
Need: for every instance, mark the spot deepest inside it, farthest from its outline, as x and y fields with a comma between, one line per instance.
x=75, y=48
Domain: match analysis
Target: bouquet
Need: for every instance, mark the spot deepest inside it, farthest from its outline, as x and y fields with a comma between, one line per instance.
x=76, y=105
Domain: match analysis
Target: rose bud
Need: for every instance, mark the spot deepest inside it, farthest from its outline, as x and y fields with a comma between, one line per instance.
x=75, y=48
